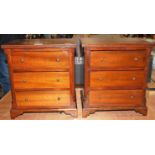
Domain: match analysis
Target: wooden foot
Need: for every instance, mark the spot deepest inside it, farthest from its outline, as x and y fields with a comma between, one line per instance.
x=14, y=113
x=142, y=110
x=87, y=112
x=73, y=113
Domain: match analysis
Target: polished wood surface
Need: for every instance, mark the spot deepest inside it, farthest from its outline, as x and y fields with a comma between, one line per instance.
x=117, y=59
x=40, y=61
x=42, y=76
x=43, y=99
x=116, y=98
x=117, y=79
x=116, y=42
x=38, y=80
x=5, y=104
x=115, y=74
x=41, y=43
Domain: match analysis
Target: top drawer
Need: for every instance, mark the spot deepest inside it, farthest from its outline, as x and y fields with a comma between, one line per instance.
x=117, y=59
x=40, y=61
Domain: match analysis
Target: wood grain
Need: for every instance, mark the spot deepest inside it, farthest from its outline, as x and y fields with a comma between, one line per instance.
x=117, y=79
x=115, y=74
x=116, y=98
x=43, y=99
x=42, y=76
x=35, y=80
x=117, y=59
x=40, y=61
x=41, y=43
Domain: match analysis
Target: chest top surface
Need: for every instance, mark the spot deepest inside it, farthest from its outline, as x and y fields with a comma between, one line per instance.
x=118, y=42
x=41, y=43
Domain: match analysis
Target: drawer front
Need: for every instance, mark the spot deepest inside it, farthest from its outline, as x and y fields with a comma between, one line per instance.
x=40, y=61
x=37, y=80
x=117, y=79
x=43, y=99
x=118, y=59
x=116, y=98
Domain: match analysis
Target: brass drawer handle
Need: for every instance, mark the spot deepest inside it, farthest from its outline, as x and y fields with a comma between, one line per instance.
x=24, y=81
x=22, y=60
x=58, y=80
x=136, y=59
x=99, y=79
x=57, y=60
x=102, y=59
x=58, y=98
x=26, y=99
x=134, y=78
x=132, y=97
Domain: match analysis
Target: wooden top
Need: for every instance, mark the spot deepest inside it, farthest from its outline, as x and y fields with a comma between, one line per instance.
x=34, y=43
x=103, y=42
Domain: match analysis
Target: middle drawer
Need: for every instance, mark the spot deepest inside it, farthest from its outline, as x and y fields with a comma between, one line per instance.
x=37, y=80
x=117, y=79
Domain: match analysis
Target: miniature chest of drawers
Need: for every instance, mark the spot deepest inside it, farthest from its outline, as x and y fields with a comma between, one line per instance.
x=42, y=75
x=115, y=74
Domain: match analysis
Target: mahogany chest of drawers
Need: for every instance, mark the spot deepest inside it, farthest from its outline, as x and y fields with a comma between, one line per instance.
x=115, y=74
x=42, y=75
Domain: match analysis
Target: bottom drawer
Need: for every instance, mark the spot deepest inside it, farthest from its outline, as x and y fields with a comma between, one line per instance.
x=43, y=99
x=116, y=98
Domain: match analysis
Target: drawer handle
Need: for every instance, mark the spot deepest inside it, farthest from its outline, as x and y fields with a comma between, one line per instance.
x=57, y=60
x=133, y=78
x=136, y=59
x=58, y=98
x=58, y=80
x=24, y=81
x=102, y=59
x=26, y=99
x=100, y=79
x=132, y=97
x=22, y=60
